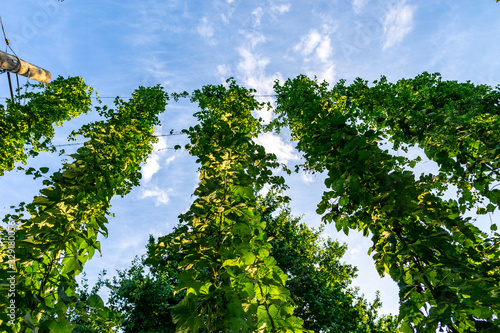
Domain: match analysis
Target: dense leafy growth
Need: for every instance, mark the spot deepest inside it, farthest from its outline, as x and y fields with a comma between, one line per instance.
x=231, y=281
x=27, y=129
x=60, y=234
x=446, y=268
x=237, y=263
x=318, y=282
x=141, y=294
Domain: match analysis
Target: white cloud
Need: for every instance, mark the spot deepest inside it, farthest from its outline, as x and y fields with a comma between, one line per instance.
x=205, y=28
x=281, y=9
x=134, y=240
x=357, y=5
x=317, y=50
x=258, y=12
x=251, y=63
x=308, y=43
x=152, y=165
x=156, y=71
x=274, y=144
x=356, y=251
x=253, y=70
x=324, y=50
x=170, y=159
x=161, y=196
x=265, y=190
x=307, y=178
x=327, y=74
x=398, y=23
x=223, y=70
x=255, y=38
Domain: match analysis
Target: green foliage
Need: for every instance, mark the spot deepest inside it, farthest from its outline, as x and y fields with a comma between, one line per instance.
x=144, y=299
x=446, y=268
x=228, y=273
x=86, y=316
x=27, y=129
x=231, y=281
x=60, y=234
x=142, y=294
x=456, y=124
x=318, y=282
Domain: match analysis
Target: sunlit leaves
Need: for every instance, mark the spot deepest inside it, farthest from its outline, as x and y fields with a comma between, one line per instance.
x=60, y=234
x=420, y=239
x=28, y=128
x=229, y=278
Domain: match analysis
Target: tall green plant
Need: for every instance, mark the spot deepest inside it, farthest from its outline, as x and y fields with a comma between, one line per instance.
x=456, y=124
x=50, y=246
x=231, y=281
x=446, y=268
x=319, y=283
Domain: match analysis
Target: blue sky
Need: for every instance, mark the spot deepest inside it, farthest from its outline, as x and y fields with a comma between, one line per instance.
x=117, y=45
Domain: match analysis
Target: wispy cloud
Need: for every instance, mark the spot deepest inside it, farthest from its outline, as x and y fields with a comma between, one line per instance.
x=324, y=50
x=357, y=5
x=398, y=23
x=170, y=159
x=153, y=163
x=223, y=70
x=254, y=38
x=252, y=68
x=205, y=29
x=160, y=196
x=274, y=144
x=307, y=178
x=258, y=12
x=308, y=43
x=151, y=167
x=156, y=71
x=317, y=50
x=281, y=9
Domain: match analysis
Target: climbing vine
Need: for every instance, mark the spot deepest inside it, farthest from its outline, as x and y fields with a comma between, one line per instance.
x=26, y=129
x=51, y=238
x=456, y=124
x=231, y=281
x=446, y=268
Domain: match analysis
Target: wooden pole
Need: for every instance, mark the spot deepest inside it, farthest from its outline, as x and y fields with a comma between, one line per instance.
x=15, y=65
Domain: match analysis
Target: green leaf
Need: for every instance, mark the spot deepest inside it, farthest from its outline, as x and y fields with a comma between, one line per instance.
x=95, y=301
x=247, y=257
x=62, y=295
x=61, y=325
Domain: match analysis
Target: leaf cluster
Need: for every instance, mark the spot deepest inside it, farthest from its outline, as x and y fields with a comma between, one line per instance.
x=27, y=129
